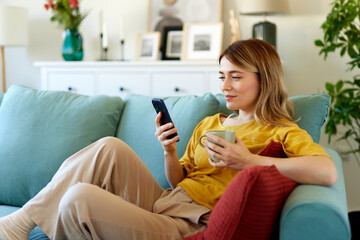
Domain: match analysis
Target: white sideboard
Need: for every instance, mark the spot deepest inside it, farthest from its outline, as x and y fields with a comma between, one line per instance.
x=116, y=78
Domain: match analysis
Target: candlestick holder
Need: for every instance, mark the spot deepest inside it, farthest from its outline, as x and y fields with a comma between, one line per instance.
x=122, y=49
x=103, y=50
x=104, y=54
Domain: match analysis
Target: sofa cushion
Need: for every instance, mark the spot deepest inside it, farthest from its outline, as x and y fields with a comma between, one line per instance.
x=137, y=126
x=40, y=129
x=310, y=109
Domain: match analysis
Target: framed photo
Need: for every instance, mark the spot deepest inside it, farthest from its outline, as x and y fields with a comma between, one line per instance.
x=163, y=13
x=172, y=42
x=147, y=47
x=202, y=41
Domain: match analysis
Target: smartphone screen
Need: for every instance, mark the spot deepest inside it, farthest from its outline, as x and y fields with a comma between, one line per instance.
x=160, y=106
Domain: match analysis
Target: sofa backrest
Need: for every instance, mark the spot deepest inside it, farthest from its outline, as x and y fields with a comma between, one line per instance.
x=40, y=129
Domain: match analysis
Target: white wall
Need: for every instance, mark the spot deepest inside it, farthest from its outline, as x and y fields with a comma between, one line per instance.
x=305, y=71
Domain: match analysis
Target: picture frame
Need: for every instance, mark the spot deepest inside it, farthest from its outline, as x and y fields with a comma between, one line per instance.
x=147, y=46
x=172, y=42
x=163, y=13
x=202, y=41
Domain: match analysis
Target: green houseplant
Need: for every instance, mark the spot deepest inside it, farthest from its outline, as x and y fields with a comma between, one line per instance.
x=342, y=32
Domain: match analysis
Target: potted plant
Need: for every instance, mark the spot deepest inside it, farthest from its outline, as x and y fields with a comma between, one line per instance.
x=67, y=13
x=342, y=32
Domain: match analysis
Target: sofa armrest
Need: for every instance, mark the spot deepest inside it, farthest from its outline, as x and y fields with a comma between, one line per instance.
x=317, y=212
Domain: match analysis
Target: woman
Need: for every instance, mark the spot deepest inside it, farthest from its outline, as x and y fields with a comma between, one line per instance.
x=106, y=192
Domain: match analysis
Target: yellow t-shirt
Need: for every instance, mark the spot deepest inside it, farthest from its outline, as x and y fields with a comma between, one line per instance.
x=205, y=183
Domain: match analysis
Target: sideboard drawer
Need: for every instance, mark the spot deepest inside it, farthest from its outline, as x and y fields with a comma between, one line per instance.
x=120, y=78
x=178, y=84
x=80, y=83
x=122, y=84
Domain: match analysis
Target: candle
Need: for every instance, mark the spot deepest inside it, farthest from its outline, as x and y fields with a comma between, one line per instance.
x=100, y=20
x=105, y=37
x=121, y=28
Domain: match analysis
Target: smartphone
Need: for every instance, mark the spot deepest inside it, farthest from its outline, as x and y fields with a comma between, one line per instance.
x=160, y=106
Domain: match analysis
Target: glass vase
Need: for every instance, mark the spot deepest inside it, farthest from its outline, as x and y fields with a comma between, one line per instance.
x=72, y=49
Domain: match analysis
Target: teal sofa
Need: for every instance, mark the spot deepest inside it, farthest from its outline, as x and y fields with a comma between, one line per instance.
x=40, y=129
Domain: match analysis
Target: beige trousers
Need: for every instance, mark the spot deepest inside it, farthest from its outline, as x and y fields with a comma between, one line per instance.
x=106, y=192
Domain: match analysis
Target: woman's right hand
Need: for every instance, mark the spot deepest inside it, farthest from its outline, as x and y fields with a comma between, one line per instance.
x=173, y=169
x=163, y=131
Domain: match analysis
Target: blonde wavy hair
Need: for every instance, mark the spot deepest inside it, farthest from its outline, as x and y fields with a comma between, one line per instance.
x=254, y=55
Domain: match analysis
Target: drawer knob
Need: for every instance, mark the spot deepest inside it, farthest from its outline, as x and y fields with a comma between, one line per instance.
x=121, y=89
x=70, y=88
x=177, y=89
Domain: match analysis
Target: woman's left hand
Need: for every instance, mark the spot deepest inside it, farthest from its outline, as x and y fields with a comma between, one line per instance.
x=232, y=155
